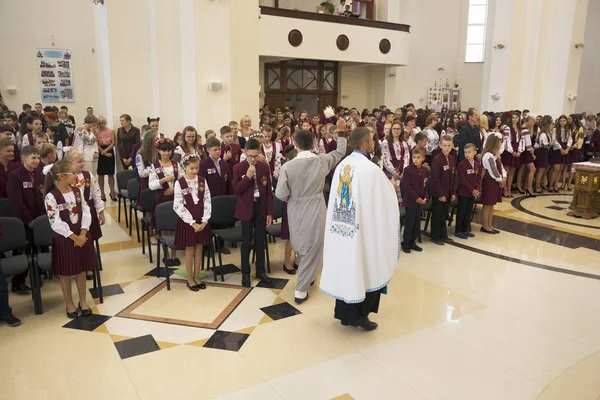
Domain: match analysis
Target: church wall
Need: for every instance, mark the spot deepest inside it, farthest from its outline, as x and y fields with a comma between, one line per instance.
x=25, y=27
x=588, y=93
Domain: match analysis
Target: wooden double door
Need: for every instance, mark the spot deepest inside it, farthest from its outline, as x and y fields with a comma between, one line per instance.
x=309, y=85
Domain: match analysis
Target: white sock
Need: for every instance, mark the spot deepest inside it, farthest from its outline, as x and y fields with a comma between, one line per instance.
x=300, y=295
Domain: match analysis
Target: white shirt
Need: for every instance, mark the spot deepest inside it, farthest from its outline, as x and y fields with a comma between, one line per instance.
x=542, y=141
x=387, y=157
x=143, y=170
x=179, y=202
x=154, y=180
x=94, y=191
x=85, y=142
x=58, y=225
x=489, y=163
x=433, y=141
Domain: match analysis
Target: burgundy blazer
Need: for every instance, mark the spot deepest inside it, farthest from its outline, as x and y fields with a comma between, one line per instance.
x=243, y=188
x=415, y=185
x=219, y=185
x=469, y=179
x=11, y=166
x=438, y=150
x=236, y=152
x=442, y=176
x=27, y=202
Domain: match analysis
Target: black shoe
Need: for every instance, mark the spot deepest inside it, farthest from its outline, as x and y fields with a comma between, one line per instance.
x=366, y=324
x=299, y=300
x=246, y=280
x=496, y=230
x=85, y=313
x=10, y=320
x=344, y=322
x=406, y=249
x=469, y=234
x=446, y=239
x=414, y=247
x=90, y=276
x=529, y=194
x=295, y=266
x=290, y=271
x=225, y=250
x=263, y=277
x=73, y=314
x=22, y=288
x=177, y=262
x=486, y=231
x=194, y=288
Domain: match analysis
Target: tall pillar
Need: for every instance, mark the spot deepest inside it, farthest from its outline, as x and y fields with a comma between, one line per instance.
x=187, y=26
x=244, y=33
x=103, y=57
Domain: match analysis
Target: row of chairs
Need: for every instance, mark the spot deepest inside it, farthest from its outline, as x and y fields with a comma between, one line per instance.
x=24, y=256
x=225, y=227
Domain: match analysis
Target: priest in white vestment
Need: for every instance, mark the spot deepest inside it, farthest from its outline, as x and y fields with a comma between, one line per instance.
x=300, y=184
x=362, y=235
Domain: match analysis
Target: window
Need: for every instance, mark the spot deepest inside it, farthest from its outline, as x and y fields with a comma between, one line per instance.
x=476, y=30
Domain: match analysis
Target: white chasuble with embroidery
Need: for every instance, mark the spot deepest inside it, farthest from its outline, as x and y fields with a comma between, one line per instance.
x=362, y=232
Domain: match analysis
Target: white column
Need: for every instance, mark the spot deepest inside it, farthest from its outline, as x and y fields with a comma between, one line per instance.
x=154, y=69
x=188, y=62
x=495, y=75
x=103, y=57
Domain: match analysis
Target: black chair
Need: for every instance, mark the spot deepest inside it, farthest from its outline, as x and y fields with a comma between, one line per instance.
x=453, y=208
x=14, y=240
x=165, y=219
x=274, y=230
x=222, y=214
x=122, y=178
x=147, y=198
x=42, y=237
x=133, y=187
x=6, y=208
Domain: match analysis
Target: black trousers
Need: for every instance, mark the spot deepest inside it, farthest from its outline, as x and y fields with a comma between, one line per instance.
x=463, y=214
x=352, y=312
x=412, y=226
x=255, y=227
x=4, y=307
x=439, y=216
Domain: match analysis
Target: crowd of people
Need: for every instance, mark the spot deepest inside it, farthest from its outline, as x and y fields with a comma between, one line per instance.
x=52, y=166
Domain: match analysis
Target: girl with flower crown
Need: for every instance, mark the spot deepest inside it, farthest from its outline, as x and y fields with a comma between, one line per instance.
x=193, y=206
x=91, y=193
x=163, y=174
x=72, y=246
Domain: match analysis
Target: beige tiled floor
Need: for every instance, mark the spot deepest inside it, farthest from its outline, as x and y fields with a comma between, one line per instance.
x=455, y=325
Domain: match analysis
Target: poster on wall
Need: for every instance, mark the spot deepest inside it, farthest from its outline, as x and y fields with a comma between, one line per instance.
x=56, y=75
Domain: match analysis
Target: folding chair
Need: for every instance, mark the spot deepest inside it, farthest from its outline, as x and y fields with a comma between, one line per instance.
x=133, y=187
x=122, y=178
x=222, y=214
x=165, y=219
x=14, y=240
x=147, y=198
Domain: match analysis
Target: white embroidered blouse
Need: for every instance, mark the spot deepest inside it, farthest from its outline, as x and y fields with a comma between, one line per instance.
x=154, y=181
x=179, y=202
x=94, y=190
x=53, y=210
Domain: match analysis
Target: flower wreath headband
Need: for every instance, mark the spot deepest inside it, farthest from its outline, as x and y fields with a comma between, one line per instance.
x=255, y=135
x=164, y=141
x=188, y=157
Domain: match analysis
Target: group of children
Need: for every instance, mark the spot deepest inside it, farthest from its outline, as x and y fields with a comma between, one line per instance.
x=423, y=165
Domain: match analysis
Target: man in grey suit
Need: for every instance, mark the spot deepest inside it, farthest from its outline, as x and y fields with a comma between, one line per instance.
x=469, y=133
x=300, y=184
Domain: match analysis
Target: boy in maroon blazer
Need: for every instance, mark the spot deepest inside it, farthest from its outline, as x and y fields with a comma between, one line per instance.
x=230, y=151
x=469, y=186
x=252, y=186
x=25, y=191
x=7, y=164
x=217, y=173
x=442, y=190
x=414, y=181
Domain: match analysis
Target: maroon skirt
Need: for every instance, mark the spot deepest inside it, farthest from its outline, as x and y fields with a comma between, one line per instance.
x=541, y=158
x=556, y=158
x=573, y=156
x=526, y=158
x=507, y=159
x=95, y=229
x=285, y=229
x=185, y=236
x=491, y=193
x=143, y=185
x=68, y=260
